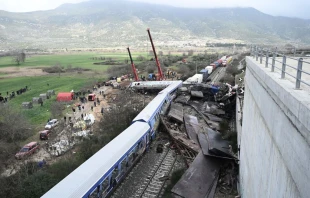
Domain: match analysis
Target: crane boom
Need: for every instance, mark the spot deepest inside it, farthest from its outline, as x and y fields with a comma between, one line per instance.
x=156, y=59
x=133, y=66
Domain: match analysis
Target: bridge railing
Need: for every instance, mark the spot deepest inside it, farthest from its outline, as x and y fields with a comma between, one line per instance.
x=270, y=58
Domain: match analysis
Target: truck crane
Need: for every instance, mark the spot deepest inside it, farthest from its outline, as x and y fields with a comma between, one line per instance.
x=133, y=66
x=161, y=76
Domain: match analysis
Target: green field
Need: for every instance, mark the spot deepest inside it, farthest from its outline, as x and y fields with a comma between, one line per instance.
x=63, y=83
x=82, y=60
x=38, y=85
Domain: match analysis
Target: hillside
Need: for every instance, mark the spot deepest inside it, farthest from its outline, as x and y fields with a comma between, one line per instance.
x=121, y=23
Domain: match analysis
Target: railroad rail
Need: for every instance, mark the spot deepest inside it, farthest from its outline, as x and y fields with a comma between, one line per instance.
x=154, y=183
x=218, y=74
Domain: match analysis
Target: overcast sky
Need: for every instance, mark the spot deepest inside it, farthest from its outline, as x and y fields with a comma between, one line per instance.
x=291, y=8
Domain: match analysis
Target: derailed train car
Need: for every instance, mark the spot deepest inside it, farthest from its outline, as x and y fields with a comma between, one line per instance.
x=100, y=174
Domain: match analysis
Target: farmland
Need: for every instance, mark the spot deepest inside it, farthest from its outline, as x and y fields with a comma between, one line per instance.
x=39, y=84
x=82, y=60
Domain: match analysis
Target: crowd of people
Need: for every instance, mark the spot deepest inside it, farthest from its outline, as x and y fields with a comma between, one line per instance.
x=11, y=95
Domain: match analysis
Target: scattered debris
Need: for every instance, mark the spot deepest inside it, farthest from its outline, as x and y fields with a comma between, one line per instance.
x=59, y=148
x=176, y=112
x=200, y=178
x=192, y=127
x=212, y=144
x=197, y=94
x=183, y=99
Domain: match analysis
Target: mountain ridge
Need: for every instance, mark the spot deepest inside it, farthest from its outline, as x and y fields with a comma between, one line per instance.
x=118, y=23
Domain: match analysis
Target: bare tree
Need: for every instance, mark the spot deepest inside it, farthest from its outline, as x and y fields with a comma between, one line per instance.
x=22, y=57
x=120, y=116
x=13, y=126
x=19, y=58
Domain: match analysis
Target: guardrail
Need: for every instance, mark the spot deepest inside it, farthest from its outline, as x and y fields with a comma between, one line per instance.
x=268, y=55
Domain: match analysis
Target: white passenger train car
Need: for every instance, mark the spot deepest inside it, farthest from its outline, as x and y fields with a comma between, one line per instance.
x=99, y=174
x=150, y=114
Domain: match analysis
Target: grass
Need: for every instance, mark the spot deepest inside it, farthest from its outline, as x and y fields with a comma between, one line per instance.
x=38, y=85
x=82, y=60
x=66, y=82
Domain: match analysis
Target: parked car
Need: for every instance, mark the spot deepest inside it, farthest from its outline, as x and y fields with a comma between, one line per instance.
x=44, y=134
x=51, y=124
x=27, y=150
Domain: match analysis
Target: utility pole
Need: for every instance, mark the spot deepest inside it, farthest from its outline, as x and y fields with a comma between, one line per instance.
x=196, y=66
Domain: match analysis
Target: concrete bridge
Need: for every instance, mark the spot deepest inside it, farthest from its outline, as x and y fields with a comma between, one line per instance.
x=275, y=137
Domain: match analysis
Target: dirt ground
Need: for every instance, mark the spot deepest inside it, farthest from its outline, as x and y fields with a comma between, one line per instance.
x=42, y=153
x=21, y=71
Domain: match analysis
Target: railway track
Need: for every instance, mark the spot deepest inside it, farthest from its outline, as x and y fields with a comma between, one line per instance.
x=154, y=182
x=218, y=75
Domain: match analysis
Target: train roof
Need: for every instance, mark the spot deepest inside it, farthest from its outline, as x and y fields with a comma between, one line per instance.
x=172, y=87
x=148, y=112
x=82, y=179
x=151, y=83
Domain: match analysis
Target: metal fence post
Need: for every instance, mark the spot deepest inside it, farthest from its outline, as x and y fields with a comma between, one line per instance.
x=256, y=53
x=299, y=71
x=267, y=57
x=283, y=67
x=261, y=56
x=273, y=61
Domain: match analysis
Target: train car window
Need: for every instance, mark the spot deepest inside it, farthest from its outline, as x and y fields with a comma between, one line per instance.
x=123, y=166
x=105, y=184
x=130, y=158
x=105, y=187
x=142, y=144
x=114, y=175
x=135, y=150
